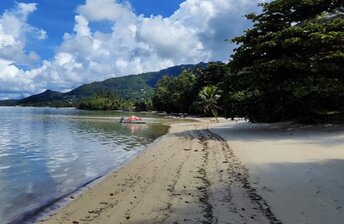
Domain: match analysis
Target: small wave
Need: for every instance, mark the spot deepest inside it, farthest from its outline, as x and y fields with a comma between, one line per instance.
x=4, y=167
x=4, y=155
x=59, y=175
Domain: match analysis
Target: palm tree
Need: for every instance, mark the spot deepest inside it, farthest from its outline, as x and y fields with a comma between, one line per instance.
x=209, y=96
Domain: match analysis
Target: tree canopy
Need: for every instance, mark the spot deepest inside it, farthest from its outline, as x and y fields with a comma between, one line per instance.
x=209, y=97
x=105, y=100
x=175, y=94
x=290, y=64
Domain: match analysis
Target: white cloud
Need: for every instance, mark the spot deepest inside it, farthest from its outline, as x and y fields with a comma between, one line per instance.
x=6, y=39
x=26, y=8
x=81, y=27
x=40, y=34
x=171, y=39
x=195, y=32
x=14, y=31
x=97, y=10
x=14, y=81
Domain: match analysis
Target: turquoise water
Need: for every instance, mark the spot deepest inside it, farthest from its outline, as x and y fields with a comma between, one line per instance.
x=47, y=153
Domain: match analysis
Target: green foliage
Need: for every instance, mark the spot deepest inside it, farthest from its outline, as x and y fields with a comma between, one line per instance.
x=144, y=105
x=175, y=94
x=132, y=87
x=209, y=97
x=106, y=100
x=8, y=103
x=213, y=74
x=290, y=64
x=47, y=98
x=193, y=92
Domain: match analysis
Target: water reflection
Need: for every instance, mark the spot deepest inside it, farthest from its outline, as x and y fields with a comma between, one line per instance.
x=46, y=153
x=135, y=128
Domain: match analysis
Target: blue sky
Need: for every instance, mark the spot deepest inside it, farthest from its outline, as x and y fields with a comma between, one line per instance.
x=57, y=17
x=59, y=45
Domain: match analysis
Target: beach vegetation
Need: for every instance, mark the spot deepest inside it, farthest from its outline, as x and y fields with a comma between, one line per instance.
x=289, y=65
x=143, y=105
x=175, y=94
x=209, y=97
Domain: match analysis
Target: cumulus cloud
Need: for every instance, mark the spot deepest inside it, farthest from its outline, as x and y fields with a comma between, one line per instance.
x=13, y=34
x=25, y=9
x=97, y=10
x=81, y=27
x=195, y=32
x=14, y=31
x=135, y=43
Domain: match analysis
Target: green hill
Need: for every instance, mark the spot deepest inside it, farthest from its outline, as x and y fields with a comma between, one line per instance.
x=132, y=87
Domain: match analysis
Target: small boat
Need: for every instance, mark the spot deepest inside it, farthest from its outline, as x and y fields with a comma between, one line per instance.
x=132, y=120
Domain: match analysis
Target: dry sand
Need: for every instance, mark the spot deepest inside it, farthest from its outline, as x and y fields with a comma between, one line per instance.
x=189, y=176
x=259, y=174
x=298, y=170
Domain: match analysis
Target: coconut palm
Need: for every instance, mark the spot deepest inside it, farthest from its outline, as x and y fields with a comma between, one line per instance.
x=209, y=96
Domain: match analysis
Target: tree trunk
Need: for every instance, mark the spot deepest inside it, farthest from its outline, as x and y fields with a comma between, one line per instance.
x=214, y=112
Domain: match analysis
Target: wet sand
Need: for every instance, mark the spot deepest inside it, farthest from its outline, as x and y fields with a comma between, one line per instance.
x=232, y=172
x=189, y=176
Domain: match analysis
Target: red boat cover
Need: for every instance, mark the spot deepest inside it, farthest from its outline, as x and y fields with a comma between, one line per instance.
x=134, y=118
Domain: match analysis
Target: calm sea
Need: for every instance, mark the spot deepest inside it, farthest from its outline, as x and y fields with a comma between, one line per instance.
x=47, y=153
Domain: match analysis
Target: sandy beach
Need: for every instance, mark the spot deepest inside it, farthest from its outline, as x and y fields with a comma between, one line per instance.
x=297, y=169
x=231, y=172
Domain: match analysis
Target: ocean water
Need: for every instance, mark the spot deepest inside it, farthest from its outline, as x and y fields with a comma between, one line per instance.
x=47, y=153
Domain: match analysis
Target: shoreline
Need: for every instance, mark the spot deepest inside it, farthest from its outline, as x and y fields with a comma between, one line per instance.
x=55, y=205
x=179, y=184
x=221, y=173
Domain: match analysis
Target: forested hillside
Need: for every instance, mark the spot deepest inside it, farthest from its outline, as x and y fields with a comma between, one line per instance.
x=133, y=88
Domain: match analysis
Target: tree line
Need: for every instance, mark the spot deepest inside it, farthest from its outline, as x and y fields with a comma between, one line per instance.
x=109, y=100
x=288, y=66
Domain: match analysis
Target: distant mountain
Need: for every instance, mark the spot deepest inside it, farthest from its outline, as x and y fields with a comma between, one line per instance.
x=42, y=97
x=127, y=87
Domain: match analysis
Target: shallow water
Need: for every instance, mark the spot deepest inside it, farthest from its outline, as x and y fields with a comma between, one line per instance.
x=46, y=153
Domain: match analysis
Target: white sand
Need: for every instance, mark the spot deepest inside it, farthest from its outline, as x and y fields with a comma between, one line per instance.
x=299, y=170
x=189, y=176
x=259, y=174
